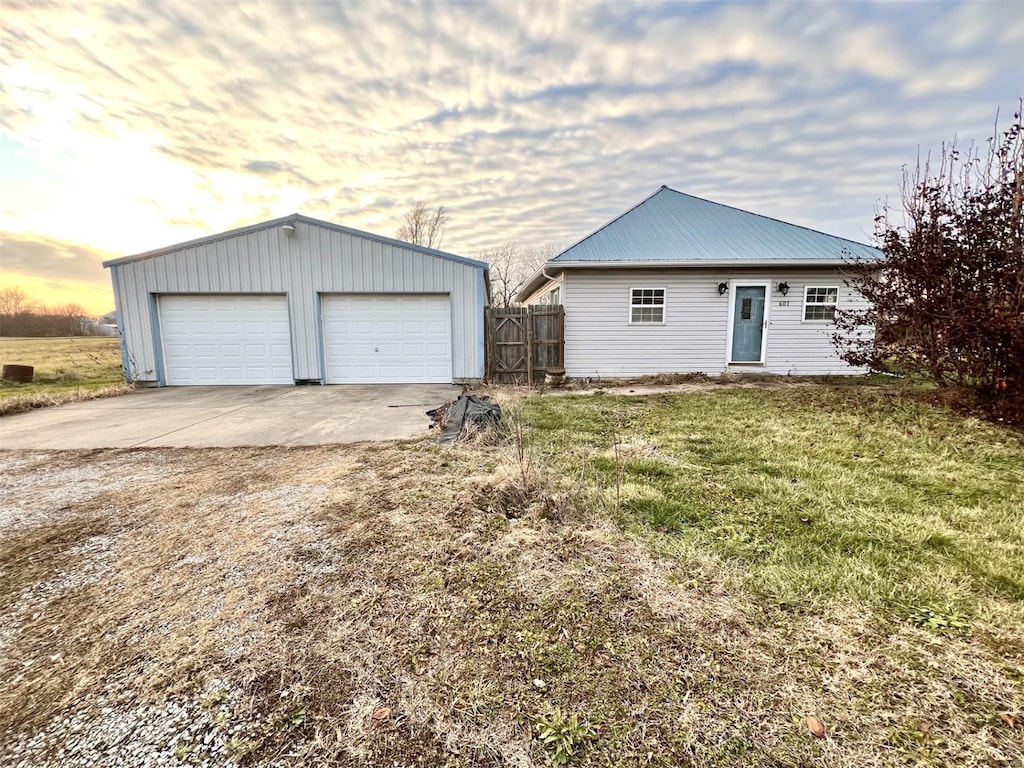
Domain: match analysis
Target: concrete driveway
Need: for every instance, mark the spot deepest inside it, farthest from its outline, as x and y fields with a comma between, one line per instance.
x=208, y=417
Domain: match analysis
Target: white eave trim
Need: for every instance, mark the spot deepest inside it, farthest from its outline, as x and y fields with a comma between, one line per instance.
x=718, y=263
x=535, y=283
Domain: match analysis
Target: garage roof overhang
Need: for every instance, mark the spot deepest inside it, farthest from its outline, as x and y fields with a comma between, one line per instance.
x=294, y=218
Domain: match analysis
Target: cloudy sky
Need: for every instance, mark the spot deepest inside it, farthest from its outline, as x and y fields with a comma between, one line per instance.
x=129, y=126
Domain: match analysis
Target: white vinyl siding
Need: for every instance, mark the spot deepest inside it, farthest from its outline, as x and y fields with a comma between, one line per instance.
x=314, y=261
x=693, y=337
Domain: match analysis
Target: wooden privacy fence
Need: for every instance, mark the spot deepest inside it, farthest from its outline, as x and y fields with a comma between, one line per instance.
x=525, y=343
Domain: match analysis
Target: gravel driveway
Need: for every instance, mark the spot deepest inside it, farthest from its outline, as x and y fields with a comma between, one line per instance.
x=97, y=552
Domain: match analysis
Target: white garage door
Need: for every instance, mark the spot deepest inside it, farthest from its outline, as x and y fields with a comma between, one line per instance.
x=389, y=338
x=226, y=340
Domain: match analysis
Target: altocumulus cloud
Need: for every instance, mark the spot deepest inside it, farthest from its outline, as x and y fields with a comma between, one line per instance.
x=532, y=122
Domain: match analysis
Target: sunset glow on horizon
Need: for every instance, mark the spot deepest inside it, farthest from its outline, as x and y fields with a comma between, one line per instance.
x=127, y=127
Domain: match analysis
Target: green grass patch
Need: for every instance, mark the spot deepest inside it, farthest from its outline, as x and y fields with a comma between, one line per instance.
x=818, y=496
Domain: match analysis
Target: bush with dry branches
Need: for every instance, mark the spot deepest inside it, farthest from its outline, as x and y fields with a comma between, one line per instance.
x=948, y=300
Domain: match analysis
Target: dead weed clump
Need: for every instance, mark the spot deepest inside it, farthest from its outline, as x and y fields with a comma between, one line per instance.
x=30, y=401
x=661, y=379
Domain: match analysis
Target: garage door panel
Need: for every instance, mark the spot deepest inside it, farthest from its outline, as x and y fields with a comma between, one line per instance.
x=226, y=340
x=437, y=371
x=278, y=329
x=177, y=326
x=387, y=338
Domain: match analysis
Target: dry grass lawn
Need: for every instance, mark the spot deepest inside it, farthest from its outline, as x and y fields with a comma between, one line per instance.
x=66, y=370
x=411, y=605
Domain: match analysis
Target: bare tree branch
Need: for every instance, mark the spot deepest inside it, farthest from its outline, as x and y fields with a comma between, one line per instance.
x=14, y=301
x=422, y=226
x=511, y=265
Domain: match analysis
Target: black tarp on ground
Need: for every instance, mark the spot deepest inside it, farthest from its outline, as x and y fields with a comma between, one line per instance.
x=468, y=409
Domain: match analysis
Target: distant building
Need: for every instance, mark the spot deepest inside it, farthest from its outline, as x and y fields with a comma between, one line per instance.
x=104, y=325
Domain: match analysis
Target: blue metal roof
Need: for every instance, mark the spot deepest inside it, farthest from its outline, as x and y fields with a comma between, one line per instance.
x=671, y=226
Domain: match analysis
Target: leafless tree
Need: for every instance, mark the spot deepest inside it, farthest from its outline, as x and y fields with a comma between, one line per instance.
x=14, y=301
x=423, y=226
x=20, y=316
x=511, y=265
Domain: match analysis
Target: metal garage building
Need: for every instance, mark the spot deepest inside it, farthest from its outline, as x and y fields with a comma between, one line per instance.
x=297, y=299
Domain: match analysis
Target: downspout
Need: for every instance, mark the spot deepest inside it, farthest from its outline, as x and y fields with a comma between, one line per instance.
x=545, y=275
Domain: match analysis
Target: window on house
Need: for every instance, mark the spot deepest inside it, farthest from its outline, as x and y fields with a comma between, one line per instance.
x=551, y=298
x=647, y=305
x=820, y=302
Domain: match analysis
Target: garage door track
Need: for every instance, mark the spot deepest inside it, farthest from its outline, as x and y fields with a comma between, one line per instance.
x=208, y=417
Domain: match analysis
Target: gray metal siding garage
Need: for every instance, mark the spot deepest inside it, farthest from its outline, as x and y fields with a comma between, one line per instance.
x=297, y=299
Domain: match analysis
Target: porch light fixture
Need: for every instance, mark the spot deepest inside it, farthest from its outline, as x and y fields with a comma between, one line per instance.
x=783, y=288
x=288, y=229
x=722, y=288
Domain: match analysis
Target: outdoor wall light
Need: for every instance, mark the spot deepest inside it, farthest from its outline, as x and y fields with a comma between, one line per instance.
x=722, y=288
x=289, y=230
x=783, y=288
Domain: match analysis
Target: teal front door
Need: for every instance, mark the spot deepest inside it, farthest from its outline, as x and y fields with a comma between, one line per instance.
x=748, y=324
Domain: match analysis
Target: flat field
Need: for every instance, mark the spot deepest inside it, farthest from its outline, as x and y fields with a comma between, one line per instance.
x=66, y=369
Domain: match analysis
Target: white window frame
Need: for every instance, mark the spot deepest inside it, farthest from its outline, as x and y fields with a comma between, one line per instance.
x=806, y=304
x=663, y=305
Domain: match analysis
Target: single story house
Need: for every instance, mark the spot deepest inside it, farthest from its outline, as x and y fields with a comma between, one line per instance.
x=679, y=284
x=297, y=300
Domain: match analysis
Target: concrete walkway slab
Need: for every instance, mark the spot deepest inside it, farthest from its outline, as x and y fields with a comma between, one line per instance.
x=209, y=417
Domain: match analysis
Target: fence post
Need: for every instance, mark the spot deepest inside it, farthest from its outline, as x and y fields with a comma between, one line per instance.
x=530, y=316
x=489, y=345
